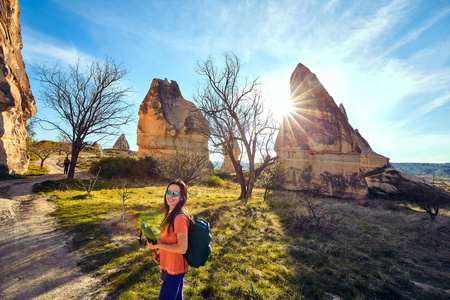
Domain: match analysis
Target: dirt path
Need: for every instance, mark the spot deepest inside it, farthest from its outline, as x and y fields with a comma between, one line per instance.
x=35, y=262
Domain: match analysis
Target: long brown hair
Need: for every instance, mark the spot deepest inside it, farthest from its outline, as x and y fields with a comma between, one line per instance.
x=181, y=206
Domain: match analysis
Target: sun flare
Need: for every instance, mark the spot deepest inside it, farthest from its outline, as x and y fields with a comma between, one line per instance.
x=277, y=91
x=283, y=107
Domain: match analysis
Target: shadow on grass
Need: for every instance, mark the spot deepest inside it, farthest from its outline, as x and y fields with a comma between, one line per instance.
x=375, y=252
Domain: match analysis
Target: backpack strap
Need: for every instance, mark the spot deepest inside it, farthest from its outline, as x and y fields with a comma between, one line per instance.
x=173, y=229
x=173, y=221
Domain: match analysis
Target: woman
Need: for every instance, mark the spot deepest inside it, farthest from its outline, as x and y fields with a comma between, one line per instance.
x=174, y=240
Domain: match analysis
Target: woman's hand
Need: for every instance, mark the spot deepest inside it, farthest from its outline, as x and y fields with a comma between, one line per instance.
x=154, y=246
x=156, y=258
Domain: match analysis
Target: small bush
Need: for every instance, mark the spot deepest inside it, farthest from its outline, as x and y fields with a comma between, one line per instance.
x=46, y=187
x=311, y=214
x=4, y=170
x=215, y=181
x=126, y=168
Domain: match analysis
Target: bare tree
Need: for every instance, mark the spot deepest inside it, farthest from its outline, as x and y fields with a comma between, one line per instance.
x=235, y=111
x=31, y=128
x=89, y=185
x=187, y=166
x=89, y=100
x=125, y=194
x=42, y=149
x=430, y=198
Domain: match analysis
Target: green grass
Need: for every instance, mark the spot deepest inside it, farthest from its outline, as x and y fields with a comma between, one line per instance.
x=358, y=250
x=33, y=170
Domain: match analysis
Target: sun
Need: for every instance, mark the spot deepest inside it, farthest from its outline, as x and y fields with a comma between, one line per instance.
x=277, y=93
x=283, y=107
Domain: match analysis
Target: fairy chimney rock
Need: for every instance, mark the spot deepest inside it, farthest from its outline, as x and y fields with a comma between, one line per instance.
x=316, y=143
x=17, y=104
x=227, y=165
x=169, y=124
x=342, y=109
x=121, y=143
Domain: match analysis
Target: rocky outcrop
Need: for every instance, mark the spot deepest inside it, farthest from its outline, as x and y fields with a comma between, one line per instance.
x=388, y=182
x=169, y=124
x=227, y=165
x=17, y=104
x=99, y=147
x=317, y=144
x=121, y=143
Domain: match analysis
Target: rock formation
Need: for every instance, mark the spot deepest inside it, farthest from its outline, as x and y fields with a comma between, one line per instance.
x=169, y=124
x=227, y=165
x=99, y=147
x=316, y=143
x=370, y=160
x=121, y=143
x=322, y=152
x=17, y=104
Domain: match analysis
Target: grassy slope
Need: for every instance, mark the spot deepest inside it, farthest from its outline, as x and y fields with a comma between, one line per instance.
x=353, y=249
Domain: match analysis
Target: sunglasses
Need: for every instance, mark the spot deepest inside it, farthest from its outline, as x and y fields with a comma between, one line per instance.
x=174, y=194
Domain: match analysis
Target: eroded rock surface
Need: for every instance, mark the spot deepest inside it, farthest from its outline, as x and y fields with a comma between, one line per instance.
x=227, y=165
x=17, y=104
x=169, y=124
x=316, y=143
x=121, y=143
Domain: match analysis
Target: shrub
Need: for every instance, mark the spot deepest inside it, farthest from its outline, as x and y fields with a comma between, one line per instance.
x=272, y=177
x=186, y=166
x=4, y=170
x=148, y=167
x=215, y=181
x=311, y=214
x=126, y=168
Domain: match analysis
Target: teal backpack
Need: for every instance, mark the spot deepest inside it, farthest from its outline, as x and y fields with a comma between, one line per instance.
x=199, y=242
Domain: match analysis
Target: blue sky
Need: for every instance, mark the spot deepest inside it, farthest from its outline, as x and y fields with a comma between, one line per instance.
x=388, y=62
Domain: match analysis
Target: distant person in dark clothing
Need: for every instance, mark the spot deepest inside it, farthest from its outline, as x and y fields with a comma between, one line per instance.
x=66, y=165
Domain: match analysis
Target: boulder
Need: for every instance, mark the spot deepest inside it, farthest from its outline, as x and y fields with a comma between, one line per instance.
x=17, y=104
x=99, y=147
x=317, y=144
x=121, y=143
x=169, y=124
x=388, y=182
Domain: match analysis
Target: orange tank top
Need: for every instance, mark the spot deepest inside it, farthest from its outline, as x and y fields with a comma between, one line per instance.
x=174, y=263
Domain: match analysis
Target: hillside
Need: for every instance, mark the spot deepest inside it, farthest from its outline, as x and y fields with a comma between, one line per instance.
x=294, y=246
x=441, y=170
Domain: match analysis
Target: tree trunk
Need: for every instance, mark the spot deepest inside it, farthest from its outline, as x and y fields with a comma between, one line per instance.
x=73, y=162
x=42, y=163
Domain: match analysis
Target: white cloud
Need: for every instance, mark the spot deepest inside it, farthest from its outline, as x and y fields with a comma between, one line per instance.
x=38, y=47
x=414, y=34
x=352, y=46
x=432, y=105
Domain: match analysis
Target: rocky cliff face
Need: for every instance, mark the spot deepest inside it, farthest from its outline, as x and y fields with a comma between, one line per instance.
x=17, y=104
x=168, y=123
x=316, y=143
x=121, y=143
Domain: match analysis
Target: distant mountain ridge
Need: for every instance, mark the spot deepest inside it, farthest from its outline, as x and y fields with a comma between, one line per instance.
x=408, y=168
x=423, y=168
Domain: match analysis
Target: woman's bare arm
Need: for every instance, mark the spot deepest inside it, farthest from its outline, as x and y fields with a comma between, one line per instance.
x=180, y=247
